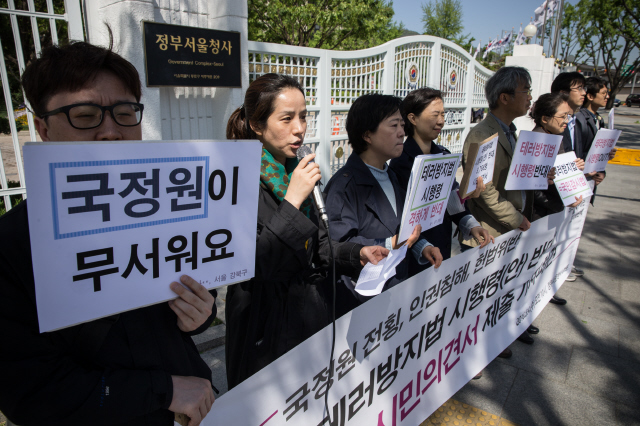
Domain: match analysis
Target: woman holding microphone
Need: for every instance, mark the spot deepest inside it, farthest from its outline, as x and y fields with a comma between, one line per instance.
x=290, y=296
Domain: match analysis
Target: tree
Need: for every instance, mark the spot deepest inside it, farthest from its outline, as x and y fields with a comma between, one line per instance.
x=328, y=24
x=443, y=18
x=607, y=33
x=27, y=44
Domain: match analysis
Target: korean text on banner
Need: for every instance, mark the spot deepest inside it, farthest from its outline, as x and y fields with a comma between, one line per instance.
x=598, y=156
x=532, y=159
x=430, y=184
x=480, y=163
x=113, y=224
x=570, y=181
x=402, y=354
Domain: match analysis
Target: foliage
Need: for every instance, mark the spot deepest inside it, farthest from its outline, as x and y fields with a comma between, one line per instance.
x=15, y=199
x=443, y=18
x=608, y=32
x=328, y=24
x=27, y=45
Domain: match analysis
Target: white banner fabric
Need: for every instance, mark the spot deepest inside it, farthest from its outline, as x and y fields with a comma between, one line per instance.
x=429, y=187
x=598, y=156
x=570, y=180
x=402, y=354
x=113, y=224
x=533, y=157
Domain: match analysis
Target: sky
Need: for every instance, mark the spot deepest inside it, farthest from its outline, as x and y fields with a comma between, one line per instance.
x=483, y=19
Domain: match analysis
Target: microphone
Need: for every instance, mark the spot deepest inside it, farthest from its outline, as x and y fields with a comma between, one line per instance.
x=303, y=151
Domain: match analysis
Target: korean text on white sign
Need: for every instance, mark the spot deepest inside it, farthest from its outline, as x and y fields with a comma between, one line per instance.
x=113, y=224
x=483, y=166
x=570, y=181
x=432, y=177
x=532, y=160
x=598, y=156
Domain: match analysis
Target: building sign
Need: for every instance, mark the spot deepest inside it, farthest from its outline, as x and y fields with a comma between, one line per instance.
x=176, y=55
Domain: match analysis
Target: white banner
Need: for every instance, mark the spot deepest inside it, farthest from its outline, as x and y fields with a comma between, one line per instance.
x=532, y=159
x=405, y=352
x=113, y=224
x=570, y=180
x=598, y=156
x=430, y=184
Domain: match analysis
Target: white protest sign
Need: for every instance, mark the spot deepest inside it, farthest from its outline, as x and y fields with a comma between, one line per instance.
x=532, y=159
x=570, y=181
x=113, y=224
x=598, y=156
x=485, y=159
x=373, y=277
x=432, y=177
x=611, y=114
x=403, y=353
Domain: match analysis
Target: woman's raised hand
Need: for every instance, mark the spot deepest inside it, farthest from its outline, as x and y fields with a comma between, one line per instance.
x=303, y=179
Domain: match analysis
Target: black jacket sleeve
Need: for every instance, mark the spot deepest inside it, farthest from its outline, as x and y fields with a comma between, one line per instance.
x=44, y=381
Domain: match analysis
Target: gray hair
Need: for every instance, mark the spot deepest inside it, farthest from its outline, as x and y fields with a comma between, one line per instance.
x=505, y=80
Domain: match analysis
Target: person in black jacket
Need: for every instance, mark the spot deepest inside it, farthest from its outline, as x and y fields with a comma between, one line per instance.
x=290, y=297
x=423, y=110
x=136, y=368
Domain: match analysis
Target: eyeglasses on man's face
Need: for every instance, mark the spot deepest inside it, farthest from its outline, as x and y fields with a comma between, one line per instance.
x=579, y=89
x=89, y=116
x=528, y=92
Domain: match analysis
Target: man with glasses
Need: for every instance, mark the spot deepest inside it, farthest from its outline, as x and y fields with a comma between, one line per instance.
x=573, y=84
x=138, y=367
x=499, y=211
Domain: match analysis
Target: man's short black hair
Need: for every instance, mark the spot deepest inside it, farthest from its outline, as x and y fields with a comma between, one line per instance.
x=593, y=85
x=366, y=114
x=565, y=80
x=71, y=68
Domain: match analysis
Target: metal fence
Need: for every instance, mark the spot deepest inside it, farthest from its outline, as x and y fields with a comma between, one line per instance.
x=332, y=80
x=28, y=22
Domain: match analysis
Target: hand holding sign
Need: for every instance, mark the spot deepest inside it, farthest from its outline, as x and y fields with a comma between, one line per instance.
x=193, y=307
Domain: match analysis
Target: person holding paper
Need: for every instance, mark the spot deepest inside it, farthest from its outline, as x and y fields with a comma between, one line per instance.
x=137, y=367
x=364, y=198
x=551, y=113
x=423, y=113
x=499, y=211
x=596, y=97
x=290, y=297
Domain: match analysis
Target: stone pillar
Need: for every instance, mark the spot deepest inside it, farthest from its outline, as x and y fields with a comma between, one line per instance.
x=542, y=70
x=173, y=113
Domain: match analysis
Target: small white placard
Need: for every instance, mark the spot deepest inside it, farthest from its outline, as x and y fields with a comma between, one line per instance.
x=570, y=180
x=113, y=224
x=484, y=165
x=430, y=184
x=534, y=156
x=598, y=156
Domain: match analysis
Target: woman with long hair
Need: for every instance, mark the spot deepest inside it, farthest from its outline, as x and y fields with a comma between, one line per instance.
x=288, y=299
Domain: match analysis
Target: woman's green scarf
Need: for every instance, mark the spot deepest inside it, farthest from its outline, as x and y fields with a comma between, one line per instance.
x=276, y=177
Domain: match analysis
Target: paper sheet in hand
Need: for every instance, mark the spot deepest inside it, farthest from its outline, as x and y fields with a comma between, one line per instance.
x=570, y=181
x=113, y=224
x=430, y=184
x=481, y=160
x=372, y=277
x=532, y=160
x=598, y=156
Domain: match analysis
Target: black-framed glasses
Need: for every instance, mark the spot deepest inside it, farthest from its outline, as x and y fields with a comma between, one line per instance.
x=89, y=116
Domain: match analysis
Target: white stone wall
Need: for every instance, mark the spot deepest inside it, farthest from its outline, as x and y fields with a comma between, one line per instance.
x=542, y=70
x=181, y=112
